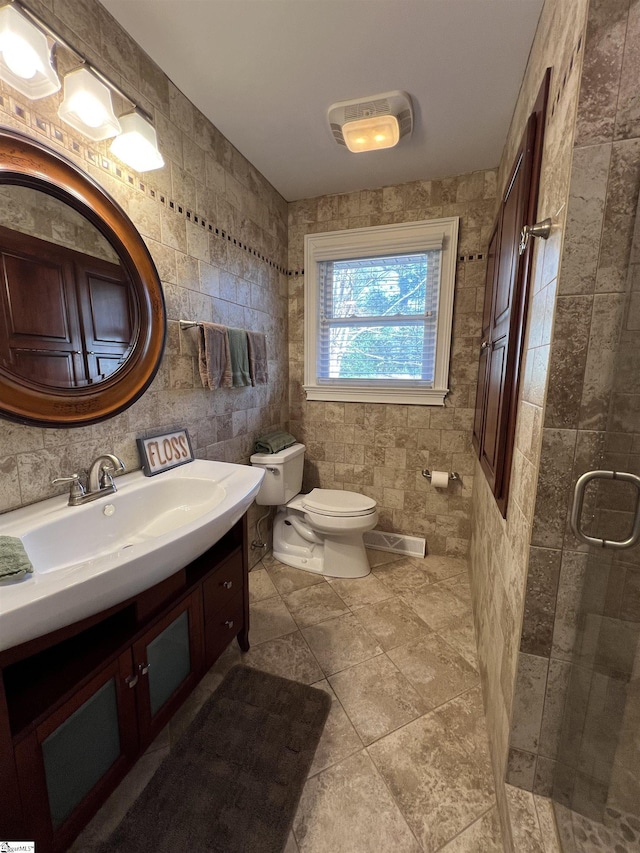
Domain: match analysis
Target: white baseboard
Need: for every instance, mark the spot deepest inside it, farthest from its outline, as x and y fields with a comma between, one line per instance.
x=398, y=543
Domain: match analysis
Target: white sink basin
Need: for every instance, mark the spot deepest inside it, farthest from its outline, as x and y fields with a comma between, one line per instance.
x=135, y=514
x=90, y=557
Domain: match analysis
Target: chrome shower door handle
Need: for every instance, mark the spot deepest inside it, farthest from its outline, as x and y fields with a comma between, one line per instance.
x=578, y=501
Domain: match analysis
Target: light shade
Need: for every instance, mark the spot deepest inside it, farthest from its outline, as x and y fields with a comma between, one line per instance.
x=87, y=106
x=371, y=134
x=137, y=145
x=372, y=123
x=25, y=57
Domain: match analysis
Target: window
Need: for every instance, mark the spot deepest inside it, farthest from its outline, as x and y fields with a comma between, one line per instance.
x=378, y=313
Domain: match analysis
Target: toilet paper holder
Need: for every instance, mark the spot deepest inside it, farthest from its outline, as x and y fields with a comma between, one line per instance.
x=453, y=475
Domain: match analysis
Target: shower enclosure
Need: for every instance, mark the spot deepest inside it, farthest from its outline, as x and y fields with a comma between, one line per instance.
x=596, y=777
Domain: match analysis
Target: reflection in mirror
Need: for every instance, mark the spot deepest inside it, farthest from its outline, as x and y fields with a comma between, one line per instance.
x=82, y=317
x=67, y=304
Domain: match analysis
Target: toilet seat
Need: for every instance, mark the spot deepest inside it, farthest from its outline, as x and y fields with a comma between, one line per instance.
x=337, y=503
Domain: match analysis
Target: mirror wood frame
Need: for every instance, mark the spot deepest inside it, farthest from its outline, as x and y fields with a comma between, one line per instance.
x=26, y=162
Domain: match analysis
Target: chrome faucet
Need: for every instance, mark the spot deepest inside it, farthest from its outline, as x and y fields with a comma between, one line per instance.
x=99, y=482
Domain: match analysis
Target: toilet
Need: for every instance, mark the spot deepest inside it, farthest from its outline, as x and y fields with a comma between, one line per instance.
x=320, y=532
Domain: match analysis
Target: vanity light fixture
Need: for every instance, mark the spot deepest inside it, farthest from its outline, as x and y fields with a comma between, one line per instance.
x=137, y=145
x=87, y=106
x=370, y=124
x=25, y=64
x=25, y=56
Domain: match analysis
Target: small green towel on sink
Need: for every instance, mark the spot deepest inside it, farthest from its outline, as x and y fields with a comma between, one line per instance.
x=14, y=563
x=274, y=442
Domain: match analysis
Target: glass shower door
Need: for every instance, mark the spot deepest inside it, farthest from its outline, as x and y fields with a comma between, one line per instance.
x=596, y=781
x=598, y=769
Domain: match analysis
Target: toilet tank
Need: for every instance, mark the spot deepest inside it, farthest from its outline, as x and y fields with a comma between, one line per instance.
x=283, y=475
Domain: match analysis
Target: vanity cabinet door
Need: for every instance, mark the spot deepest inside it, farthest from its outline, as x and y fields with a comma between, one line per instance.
x=168, y=661
x=75, y=758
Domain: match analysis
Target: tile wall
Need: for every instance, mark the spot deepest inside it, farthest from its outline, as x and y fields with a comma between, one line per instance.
x=47, y=218
x=588, y=614
x=204, y=276
x=380, y=449
x=499, y=553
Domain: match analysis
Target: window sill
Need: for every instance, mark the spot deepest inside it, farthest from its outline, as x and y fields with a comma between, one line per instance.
x=403, y=396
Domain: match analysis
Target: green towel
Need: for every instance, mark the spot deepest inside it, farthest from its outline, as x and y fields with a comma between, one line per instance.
x=14, y=562
x=274, y=442
x=239, y=353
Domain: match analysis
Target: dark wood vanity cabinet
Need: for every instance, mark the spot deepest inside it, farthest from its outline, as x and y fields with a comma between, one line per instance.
x=167, y=663
x=225, y=609
x=79, y=706
x=73, y=759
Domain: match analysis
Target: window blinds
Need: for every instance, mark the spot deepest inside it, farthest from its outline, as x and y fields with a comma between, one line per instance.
x=378, y=318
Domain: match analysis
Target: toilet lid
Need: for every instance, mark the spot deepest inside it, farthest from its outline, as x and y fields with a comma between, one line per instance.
x=337, y=502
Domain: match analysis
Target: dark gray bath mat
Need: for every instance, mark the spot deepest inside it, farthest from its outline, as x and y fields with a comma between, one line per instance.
x=233, y=782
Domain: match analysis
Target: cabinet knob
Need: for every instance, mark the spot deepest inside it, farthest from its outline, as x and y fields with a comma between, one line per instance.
x=131, y=680
x=229, y=623
x=144, y=668
x=227, y=584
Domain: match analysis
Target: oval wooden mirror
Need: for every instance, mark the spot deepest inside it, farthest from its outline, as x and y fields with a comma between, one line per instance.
x=82, y=316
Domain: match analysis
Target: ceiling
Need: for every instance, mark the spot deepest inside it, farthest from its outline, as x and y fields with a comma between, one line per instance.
x=266, y=71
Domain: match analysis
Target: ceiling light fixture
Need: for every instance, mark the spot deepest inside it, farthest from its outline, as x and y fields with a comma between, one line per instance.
x=137, y=145
x=87, y=106
x=371, y=124
x=371, y=134
x=25, y=56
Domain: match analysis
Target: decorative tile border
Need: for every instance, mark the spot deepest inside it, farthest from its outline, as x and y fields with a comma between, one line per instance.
x=44, y=127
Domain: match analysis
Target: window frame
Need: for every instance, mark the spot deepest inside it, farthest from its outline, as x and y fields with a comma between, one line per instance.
x=381, y=240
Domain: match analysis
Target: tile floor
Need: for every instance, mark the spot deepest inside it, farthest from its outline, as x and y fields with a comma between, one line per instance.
x=403, y=763
x=618, y=832
x=532, y=821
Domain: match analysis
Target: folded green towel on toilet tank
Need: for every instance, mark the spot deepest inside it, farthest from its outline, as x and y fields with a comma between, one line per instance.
x=274, y=442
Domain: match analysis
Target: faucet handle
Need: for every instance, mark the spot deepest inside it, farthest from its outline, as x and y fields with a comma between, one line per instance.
x=111, y=466
x=106, y=477
x=77, y=489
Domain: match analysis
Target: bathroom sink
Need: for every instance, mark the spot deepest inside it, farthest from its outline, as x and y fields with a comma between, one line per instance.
x=88, y=558
x=134, y=515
